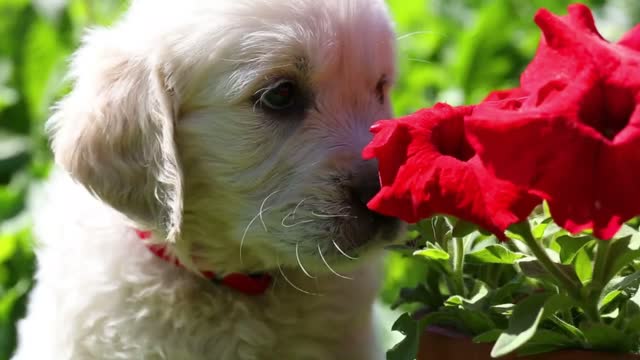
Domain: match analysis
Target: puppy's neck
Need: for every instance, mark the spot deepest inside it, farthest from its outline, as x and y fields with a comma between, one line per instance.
x=253, y=284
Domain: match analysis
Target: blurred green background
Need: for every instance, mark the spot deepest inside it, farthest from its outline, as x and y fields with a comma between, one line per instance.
x=449, y=50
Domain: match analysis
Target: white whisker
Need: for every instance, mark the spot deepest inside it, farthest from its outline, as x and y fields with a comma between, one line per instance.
x=294, y=224
x=328, y=216
x=261, y=211
x=298, y=206
x=293, y=285
x=420, y=60
x=329, y=267
x=408, y=35
x=342, y=252
x=293, y=215
x=300, y=262
x=246, y=230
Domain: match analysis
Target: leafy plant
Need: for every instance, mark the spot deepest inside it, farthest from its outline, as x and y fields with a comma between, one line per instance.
x=498, y=291
x=545, y=284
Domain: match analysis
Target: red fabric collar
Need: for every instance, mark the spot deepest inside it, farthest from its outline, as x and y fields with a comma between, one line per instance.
x=249, y=284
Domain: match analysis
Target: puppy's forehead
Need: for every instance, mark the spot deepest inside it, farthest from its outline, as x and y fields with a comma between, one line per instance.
x=231, y=48
x=325, y=38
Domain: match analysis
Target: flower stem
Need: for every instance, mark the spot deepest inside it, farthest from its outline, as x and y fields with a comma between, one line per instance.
x=551, y=267
x=600, y=265
x=572, y=287
x=458, y=265
x=600, y=274
x=590, y=307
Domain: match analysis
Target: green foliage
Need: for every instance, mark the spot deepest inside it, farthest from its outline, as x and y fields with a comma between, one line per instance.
x=456, y=51
x=37, y=39
x=577, y=295
x=409, y=346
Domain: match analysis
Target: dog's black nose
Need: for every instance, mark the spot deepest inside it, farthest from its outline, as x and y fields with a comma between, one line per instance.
x=366, y=183
x=367, y=191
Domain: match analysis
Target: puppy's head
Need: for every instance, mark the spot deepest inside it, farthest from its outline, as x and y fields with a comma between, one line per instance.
x=233, y=128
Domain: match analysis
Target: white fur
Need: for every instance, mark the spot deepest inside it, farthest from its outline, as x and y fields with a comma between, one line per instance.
x=161, y=128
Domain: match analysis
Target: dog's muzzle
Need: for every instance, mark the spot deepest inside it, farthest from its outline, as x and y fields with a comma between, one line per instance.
x=368, y=225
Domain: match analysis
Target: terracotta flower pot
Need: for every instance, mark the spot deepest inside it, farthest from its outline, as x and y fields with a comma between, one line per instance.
x=437, y=344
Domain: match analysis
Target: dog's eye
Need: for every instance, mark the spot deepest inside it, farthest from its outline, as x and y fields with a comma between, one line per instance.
x=381, y=89
x=280, y=96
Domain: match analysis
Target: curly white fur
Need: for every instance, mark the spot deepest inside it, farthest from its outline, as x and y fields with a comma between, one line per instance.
x=161, y=132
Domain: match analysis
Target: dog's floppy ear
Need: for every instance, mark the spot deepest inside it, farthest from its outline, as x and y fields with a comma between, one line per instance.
x=114, y=133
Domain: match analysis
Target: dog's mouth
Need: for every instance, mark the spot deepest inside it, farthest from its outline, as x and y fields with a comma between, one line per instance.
x=334, y=226
x=364, y=227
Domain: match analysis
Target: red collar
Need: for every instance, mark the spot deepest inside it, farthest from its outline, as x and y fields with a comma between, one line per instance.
x=249, y=284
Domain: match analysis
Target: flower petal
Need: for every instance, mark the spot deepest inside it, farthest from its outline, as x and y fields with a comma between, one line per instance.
x=632, y=39
x=438, y=175
x=575, y=137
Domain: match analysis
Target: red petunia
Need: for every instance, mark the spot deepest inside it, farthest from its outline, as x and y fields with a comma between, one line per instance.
x=632, y=39
x=427, y=167
x=571, y=133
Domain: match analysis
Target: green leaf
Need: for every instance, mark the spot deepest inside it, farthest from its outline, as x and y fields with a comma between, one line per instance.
x=545, y=341
x=507, y=292
x=633, y=324
x=604, y=337
x=569, y=246
x=404, y=250
x=11, y=201
x=635, y=299
x=403, y=272
x=488, y=336
x=570, y=330
x=495, y=254
x=432, y=254
x=525, y=319
x=620, y=283
x=14, y=154
x=9, y=298
x=461, y=319
x=408, y=347
x=8, y=95
x=479, y=295
x=504, y=309
x=557, y=302
x=613, y=314
x=621, y=254
x=8, y=245
x=455, y=300
x=471, y=304
x=539, y=230
x=436, y=230
x=608, y=298
x=463, y=228
x=42, y=71
x=546, y=228
x=532, y=268
x=583, y=266
x=522, y=325
x=420, y=294
x=413, y=234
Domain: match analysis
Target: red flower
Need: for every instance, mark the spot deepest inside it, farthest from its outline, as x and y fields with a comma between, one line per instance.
x=571, y=133
x=427, y=167
x=632, y=39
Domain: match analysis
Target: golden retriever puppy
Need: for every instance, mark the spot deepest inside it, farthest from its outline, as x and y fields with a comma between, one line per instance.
x=211, y=197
